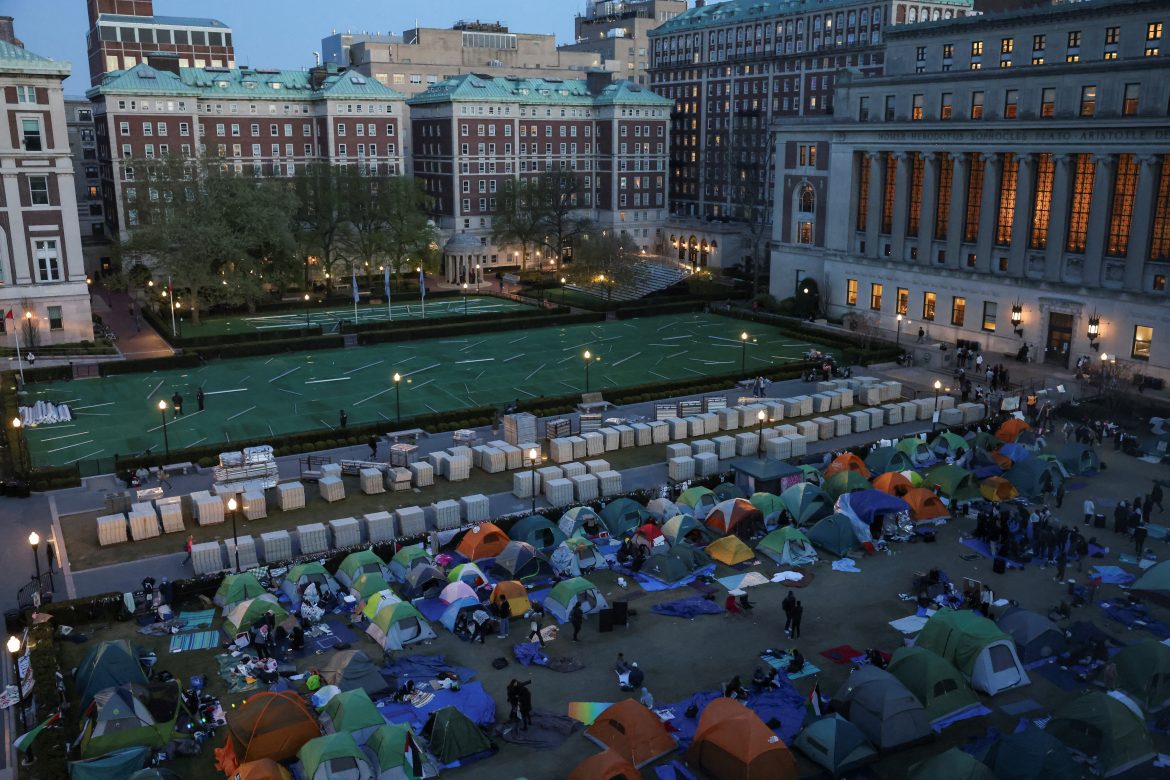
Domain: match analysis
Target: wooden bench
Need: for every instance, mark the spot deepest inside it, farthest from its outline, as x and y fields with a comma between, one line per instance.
x=592, y=402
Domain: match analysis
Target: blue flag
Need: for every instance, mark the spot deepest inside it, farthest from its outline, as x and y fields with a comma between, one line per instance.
x=386, y=280
x=353, y=278
x=422, y=283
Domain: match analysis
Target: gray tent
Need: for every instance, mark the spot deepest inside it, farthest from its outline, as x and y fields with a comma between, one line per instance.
x=885, y=711
x=349, y=669
x=836, y=744
x=835, y=534
x=1031, y=754
x=1035, y=635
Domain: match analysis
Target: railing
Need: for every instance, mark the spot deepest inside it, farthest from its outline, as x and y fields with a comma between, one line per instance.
x=36, y=592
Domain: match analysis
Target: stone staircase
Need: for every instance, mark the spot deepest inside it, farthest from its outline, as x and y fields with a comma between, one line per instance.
x=653, y=275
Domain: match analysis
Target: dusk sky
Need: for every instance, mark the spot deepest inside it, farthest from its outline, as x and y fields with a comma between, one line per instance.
x=283, y=33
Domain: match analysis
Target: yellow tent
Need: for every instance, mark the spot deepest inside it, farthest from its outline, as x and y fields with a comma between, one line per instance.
x=730, y=550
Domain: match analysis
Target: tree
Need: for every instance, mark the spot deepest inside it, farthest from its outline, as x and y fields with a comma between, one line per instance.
x=323, y=217
x=556, y=195
x=606, y=258
x=520, y=218
x=409, y=237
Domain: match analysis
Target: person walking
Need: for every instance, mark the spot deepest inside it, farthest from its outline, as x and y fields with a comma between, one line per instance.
x=503, y=614
x=576, y=618
x=199, y=398
x=1090, y=511
x=190, y=544
x=344, y=419
x=524, y=697
x=1156, y=495
x=921, y=335
x=797, y=614
x=534, y=626
x=787, y=605
x=373, y=442
x=177, y=402
x=1059, y=495
x=1139, y=538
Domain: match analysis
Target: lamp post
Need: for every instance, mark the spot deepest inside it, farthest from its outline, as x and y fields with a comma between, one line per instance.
x=589, y=358
x=533, y=459
x=34, y=540
x=934, y=416
x=162, y=409
x=1094, y=330
x=743, y=339
x=761, y=416
x=398, y=396
x=563, y=280
x=232, y=504
x=20, y=452
x=13, y=649
x=465, y=299
x=478, y=276
x=306, y=310
x=898, y=340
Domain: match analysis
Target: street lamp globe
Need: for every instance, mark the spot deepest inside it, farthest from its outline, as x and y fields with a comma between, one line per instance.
x=743, y=336
x=34, y=538
x=588, y=355
x=761, y=415
x=397, y=377
x=231, y=504
x=533, y=454
x=16, y=423
x=13, y=645
x=937, y=385
x=162, y=406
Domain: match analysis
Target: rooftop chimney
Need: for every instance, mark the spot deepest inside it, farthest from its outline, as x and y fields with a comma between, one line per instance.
x=7, y=34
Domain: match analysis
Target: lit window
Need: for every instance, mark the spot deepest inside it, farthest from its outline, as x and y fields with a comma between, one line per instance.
x=945, y=110
x=977, y=105
x=1011, y=99
x=958, y=310
x=875, y=297
x=1143, y=335
x=1006, y=45
x=916, y=107
x=990, y=308
x=1048, y=101
x=928, y=301
x=903, y=301
x=976, y=48
x=1129, y=105
x=1088, y=100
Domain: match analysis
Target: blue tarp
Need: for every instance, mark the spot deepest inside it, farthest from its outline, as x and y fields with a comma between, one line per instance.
x=529, y=654
x=472, y=700
x=783, y=709
x=424, y=668
x=685, y=727
x=1016, y=452
x=687, y=608
x=1135, y=616
x=1113, y=575
x=652, y=584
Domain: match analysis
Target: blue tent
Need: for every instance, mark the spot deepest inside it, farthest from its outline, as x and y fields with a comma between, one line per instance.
x=1018, y=453
x=984, y=465
x=451, y=613
x=862, y=507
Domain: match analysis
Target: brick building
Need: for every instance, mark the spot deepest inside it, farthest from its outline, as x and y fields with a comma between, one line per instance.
x=619, y=33
x=42, y=273
x=269, y=121
x=471, y=134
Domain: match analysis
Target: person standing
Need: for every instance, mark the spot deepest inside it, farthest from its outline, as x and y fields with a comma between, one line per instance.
x=534, y=627
x=199, y=398
x=1156, y=495
x=524, y=699
x=797, y=615
x=576, y=618
x=373, y=442
x=1059, y=494
x=1090, y=511
x=344, y=419
x=921, y=335
x=503, y=613
x=190, y=544
x=1061, y=563
x=1139, y=538
x=479, y=620
x=177, y=402
x=788, y=605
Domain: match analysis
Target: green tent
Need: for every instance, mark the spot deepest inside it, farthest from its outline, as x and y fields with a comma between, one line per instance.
x=624, y=515
x=368, y=584
x=933, y=680
x=236, y=588
x=952, y=765
x=885, y=459
x=106, y=665
x=834, y=534
x=836, y=744
x=302, y=575
x=452, y=736
x=566, y=593
x=985, y=441
x=843, y=482
x=1155, y=583
x=956, y=482
x=131, y=716
x=684, y=528
x=1034, y=477
x=1056, y=464
x=334, y=755
x=725, y=491
x=787, y=546
x=353, y=712
x=358, y=563
x=1102, y=729
x=404, y=559
x=242, y=616
x=112, y=766
x=678, y=563
x=976, y=647
x=811, y=474
x=769, y=504
x=398, y=625
x=806, y=503
x=399, y=754
x=947, y=443
x=917, y=450
x=1079, y=458
x=1143, y=672
x=1031, y=754
x=538, y=531
x=697, y=496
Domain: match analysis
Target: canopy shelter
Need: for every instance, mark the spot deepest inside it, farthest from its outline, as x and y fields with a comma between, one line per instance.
x=934, y=681
x=888, y=458
x=236, y=588
x=735, y=516
x=266, y=726
x=834, y=534
x=684, y=528
x=576, y=556
x=399, y=625
x=954, y=482
x=925, y=505
x=730, y=550
x=515, y=593
x=106, y=665
x=893, y=483
x=1143, y=672
x=835, y=744
x=334, y=757
x=882, y=708
x=788, y=546
x=806, y=503
x=952, y=764
x=732, y=743
x=468, y=574
x=948, y=444
x=244, y=615
x=351, y=712
x=582, y=521
x=521, y=561
x=302, y=575
x=398, y=754
x=997, y=489
x=1099, y=728
x=451, y=736
x=353, y=669
x=845, y=482
x=1036, y=636
x=632, y=730
x=423, y=581
x=567, y=593
x=405, y=559
x=754, y=475
x=485, y=540
x=847, y=461
x=623, y=515
x=537, y=531
x=358, y=563
x=976, y=647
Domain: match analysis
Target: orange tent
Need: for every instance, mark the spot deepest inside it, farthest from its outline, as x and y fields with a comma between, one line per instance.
x=485, y=540
x=633, y=731
x=847, y=461
x=894, y=483
x=1003, y=461
x=606, y=765
x=266, y=725
x=264, y=769
x=515, y=593
x=727, y=515
x=998, y=489
x=1011, y=429
x=924, y=505
x=732, y=743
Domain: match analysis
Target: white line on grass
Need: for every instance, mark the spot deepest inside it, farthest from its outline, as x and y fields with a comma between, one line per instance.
x=420, y=370
x=93, y=414
x=156, y=387
x=327, y=425
x=372, y=397
x=534, y=373
x=522, y=390
x=473, y=346
x=66, y=436
x=566, y=384
x=433, y=409
x=478, y=360
x=334, y=379
x=623, y=360
x=83, y=457
x=290, y=392
x=587, y=343
x=420, y=384
x=514, y=357
x=286, y=373
x=175, y=421
x=367, y=365
x=93, y=406
x=192, y=444
x=221, y=392
x=693, y=371
x=566, y=359
x=655, y=373
x=516, y=341
x=69, y=446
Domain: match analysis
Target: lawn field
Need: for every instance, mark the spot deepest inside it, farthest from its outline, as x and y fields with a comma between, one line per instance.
x=249, y=398
x=407, y=308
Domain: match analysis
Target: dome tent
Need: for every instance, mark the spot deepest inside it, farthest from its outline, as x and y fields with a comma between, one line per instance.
x=367, y=584
x=679, y=563
x=132, y=716
x=521, y=561
x=770, y=506
x=953, y=764
x=732, y=743
x=735, y=515
x=106, y=665
x=560, y=600
x=299, y=577
x=885, y=711
x=834, y=534
x=633, y=730
x=398, y=754
x=242, y=616
x=538, y=531
x=451, y=736
x=399, y=625
x=516, y=595
x=623, y=515
x=405, y=559
x=924, y=505
x=358, y=563
x=353, y=713
x=954, y=482
x=379, y=601
x=464, y=607
x=933, y=681
x=350, y=669
x=581, y=521
x=334, y=757
x=977, y=647
x=726, y=490
x=236, y=588
x=836, y=744
x=606, y=765
x=700, y=499
x=684, y=528
x=806, y=503
x=893, y=483
x=1031, y=754
x=1036, y=636
x=1143, y=672
x=457, y=590
x=468, y=573
x=423, y=581
x=787, y=546
x=576, y=556
x=730, y=550
x=845, y=482
x=1101, y=728
x=847, y=461
x=889, y=458
x=485, y=540
x=266, y=725
x=262, y=769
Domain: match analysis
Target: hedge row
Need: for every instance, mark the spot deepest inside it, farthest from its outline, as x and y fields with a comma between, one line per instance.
x=657, y=309
x=164, y=330
x=423, y=325
x=463, y=326
x=879, y=352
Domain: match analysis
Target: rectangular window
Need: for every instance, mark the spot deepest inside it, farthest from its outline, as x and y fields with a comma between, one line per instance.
x=1006, y=45
x=1038, y=42
x=1160, y=242
x=990, y=309
x=974, y=197
x=862, y=108
x=850, y=292
x=38, y=190
x=1048, y=101
x=1129, y=105
x=914, y=213
x=1074, y=39
x=1041, y=209
x=54, y=314
x=30, y=134
x=889, y=108
x=958, y=310
x=1112, y=36
x=1082, y=195
x=902, y=302
x=1143, y=336
x=863, y=193
x=1124, y=191
x=1088, y=100
x=875, y=297
x=889, y=184
x=976, y=48
x=28, y=95
x=1011, y=103
x=1154, y=31
x=916, y=107
x=942, y=212
x=48, y=262
x=945, y=109
x=977, y=105
x=1007, y=199
x=928, y=301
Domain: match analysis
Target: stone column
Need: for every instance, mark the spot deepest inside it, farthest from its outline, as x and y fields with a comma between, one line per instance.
x=988, y=211
x=22, y=264
x=1138, y=251
x=901, y=206
x=1057, y=216
x=1022, y=221
x=926, y=212
x=873, y=216
x=1099, y=208
x=962, y=164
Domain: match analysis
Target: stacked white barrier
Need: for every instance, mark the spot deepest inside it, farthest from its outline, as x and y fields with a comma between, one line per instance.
x=346, y=532
x=331, y=488
x=111, y=529
x=475, y=508
x=312, y=538
x=447, y=517
x=609, y=483
x=143, y=521
x=379, y=527
x=247, y=548
x=290, y=495
x=412, y=521
x=585, y=487
x=372, y=480
x=706, y=464
x=277, y=546
x=422, y=473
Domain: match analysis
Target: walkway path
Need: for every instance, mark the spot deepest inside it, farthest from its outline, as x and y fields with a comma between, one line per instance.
x=136, y=339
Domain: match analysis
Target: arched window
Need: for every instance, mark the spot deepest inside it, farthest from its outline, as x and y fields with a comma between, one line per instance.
x=807, y=199
x=912, y=15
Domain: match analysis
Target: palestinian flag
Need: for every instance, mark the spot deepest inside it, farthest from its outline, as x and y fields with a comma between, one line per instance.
x=814, y=701
x=24, y=742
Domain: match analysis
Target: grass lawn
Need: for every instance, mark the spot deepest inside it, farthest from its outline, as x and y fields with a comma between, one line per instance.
x=581, y=300
x=249, y=398
x=404, y=308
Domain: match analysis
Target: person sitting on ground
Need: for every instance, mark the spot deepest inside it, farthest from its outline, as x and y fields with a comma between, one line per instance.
x=875, y=658
x=404, y=692
x=762, y=681
x=620, y=666
x=634, y=678
x=734, y=689
x=796, y=664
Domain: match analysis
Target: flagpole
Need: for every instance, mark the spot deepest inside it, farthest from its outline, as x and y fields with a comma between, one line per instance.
x=422, y=291
x=19, y=364
x=171, y=293
x=389, y=300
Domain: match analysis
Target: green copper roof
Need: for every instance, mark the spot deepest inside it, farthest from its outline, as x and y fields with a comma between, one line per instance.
x=260, y=84
x=18, y=58
x=742, y=11
x=572, y=92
